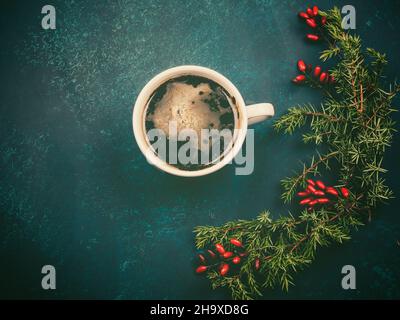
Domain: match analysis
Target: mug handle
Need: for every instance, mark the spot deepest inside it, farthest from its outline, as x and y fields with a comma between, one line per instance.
x=259, y=112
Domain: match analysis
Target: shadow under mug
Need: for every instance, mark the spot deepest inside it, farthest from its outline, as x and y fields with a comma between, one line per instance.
x=247, y=115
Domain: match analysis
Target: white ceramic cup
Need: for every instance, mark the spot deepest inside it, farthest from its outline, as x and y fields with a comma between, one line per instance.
x=247, y=115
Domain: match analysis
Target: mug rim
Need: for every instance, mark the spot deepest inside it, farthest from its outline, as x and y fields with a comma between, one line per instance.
x=157, y=81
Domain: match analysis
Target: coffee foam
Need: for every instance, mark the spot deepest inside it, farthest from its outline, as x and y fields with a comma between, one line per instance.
x=184, y=104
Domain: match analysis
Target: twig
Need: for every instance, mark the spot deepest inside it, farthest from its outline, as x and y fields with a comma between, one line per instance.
x=296, y=245
x=321, y=114
x=307, y=171
x=361, y=98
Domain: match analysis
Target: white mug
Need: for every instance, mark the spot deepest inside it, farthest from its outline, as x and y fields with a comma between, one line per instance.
x=247, y=115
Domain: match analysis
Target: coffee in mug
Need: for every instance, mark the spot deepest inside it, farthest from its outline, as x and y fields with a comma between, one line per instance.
x=197, y=104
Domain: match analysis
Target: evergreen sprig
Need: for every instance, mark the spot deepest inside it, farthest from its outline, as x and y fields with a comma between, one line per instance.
x=354, y=127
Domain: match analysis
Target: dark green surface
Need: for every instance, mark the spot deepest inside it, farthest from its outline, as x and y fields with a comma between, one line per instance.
x=76, y=192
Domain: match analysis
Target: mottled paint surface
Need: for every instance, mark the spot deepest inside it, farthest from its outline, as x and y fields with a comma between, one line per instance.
x=76, y=192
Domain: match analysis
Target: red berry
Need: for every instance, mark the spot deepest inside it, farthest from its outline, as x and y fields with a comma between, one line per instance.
x=236, y=260
x=236, y=243
x=311, y=188
x=323, y=76
x=301, y=65
x=201, y=269
x=313, y=203
x=243, y=254
x=300, y=78
x=315, y=10
x=317, y=71
x=303, y=15
x=224, y=269
x=311, y=23
x=345, y=192
x=201, y=257
x=310, y=12
x=227, y=254
x=257, y=264
x=323, y=20
x=323, y=200
x=320, y=184
x=211, y=253
x=305, y=201
x=319, y=193
x=312, y=37
x=303, y=193
x=220, y=248
x=332, y=191
x=331, y=79
x=311, y=182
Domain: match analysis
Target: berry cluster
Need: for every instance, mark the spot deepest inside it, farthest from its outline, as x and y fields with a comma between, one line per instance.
x=313, y=20
x=312, y=74
x=318, y=193
x=222, y=259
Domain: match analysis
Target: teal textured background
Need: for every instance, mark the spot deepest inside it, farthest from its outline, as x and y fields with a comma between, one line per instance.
x=75, y=191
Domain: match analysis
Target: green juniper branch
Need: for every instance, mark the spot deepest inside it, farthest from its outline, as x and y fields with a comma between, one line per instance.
x=354, y=125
